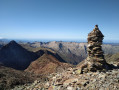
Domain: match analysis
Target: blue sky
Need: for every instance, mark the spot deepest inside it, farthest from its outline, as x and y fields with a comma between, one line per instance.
x=58, y=19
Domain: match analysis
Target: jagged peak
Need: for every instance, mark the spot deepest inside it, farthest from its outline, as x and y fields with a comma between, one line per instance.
x=12, y=42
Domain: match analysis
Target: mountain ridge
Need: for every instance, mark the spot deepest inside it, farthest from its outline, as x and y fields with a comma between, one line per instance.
x=48, y=63
x=71, y=52
x=15, y=56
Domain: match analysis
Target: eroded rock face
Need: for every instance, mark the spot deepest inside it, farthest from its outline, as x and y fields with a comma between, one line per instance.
x=95, y=60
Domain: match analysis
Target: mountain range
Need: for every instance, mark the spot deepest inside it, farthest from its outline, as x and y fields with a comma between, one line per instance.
x=71, y=52
x=19, y=56
x=15, y=56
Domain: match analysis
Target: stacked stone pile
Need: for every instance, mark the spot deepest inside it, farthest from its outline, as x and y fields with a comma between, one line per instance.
x=94, y=43
x=95, y=60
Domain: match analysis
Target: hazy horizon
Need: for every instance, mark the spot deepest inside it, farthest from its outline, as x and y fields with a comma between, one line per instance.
x=57, y=40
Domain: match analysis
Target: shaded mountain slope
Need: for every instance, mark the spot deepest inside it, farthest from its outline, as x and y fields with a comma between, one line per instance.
x=15, y=56
x=112, y=58
x=71, y=52
x=10, y=77
x=48, y=63
x=1, y=46
x=52, y=53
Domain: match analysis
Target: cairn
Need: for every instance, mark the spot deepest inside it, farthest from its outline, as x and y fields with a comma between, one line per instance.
x=95, y=60
x=94, y=44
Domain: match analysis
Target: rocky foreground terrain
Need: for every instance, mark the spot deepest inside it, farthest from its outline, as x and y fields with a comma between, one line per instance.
x=71, y=79
x=10, y=77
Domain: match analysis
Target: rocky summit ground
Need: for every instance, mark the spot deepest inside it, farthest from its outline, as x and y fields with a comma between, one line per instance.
x=72, y=79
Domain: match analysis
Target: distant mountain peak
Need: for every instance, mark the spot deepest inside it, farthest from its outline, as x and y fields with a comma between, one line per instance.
x=12, y=42
x=15, y=56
